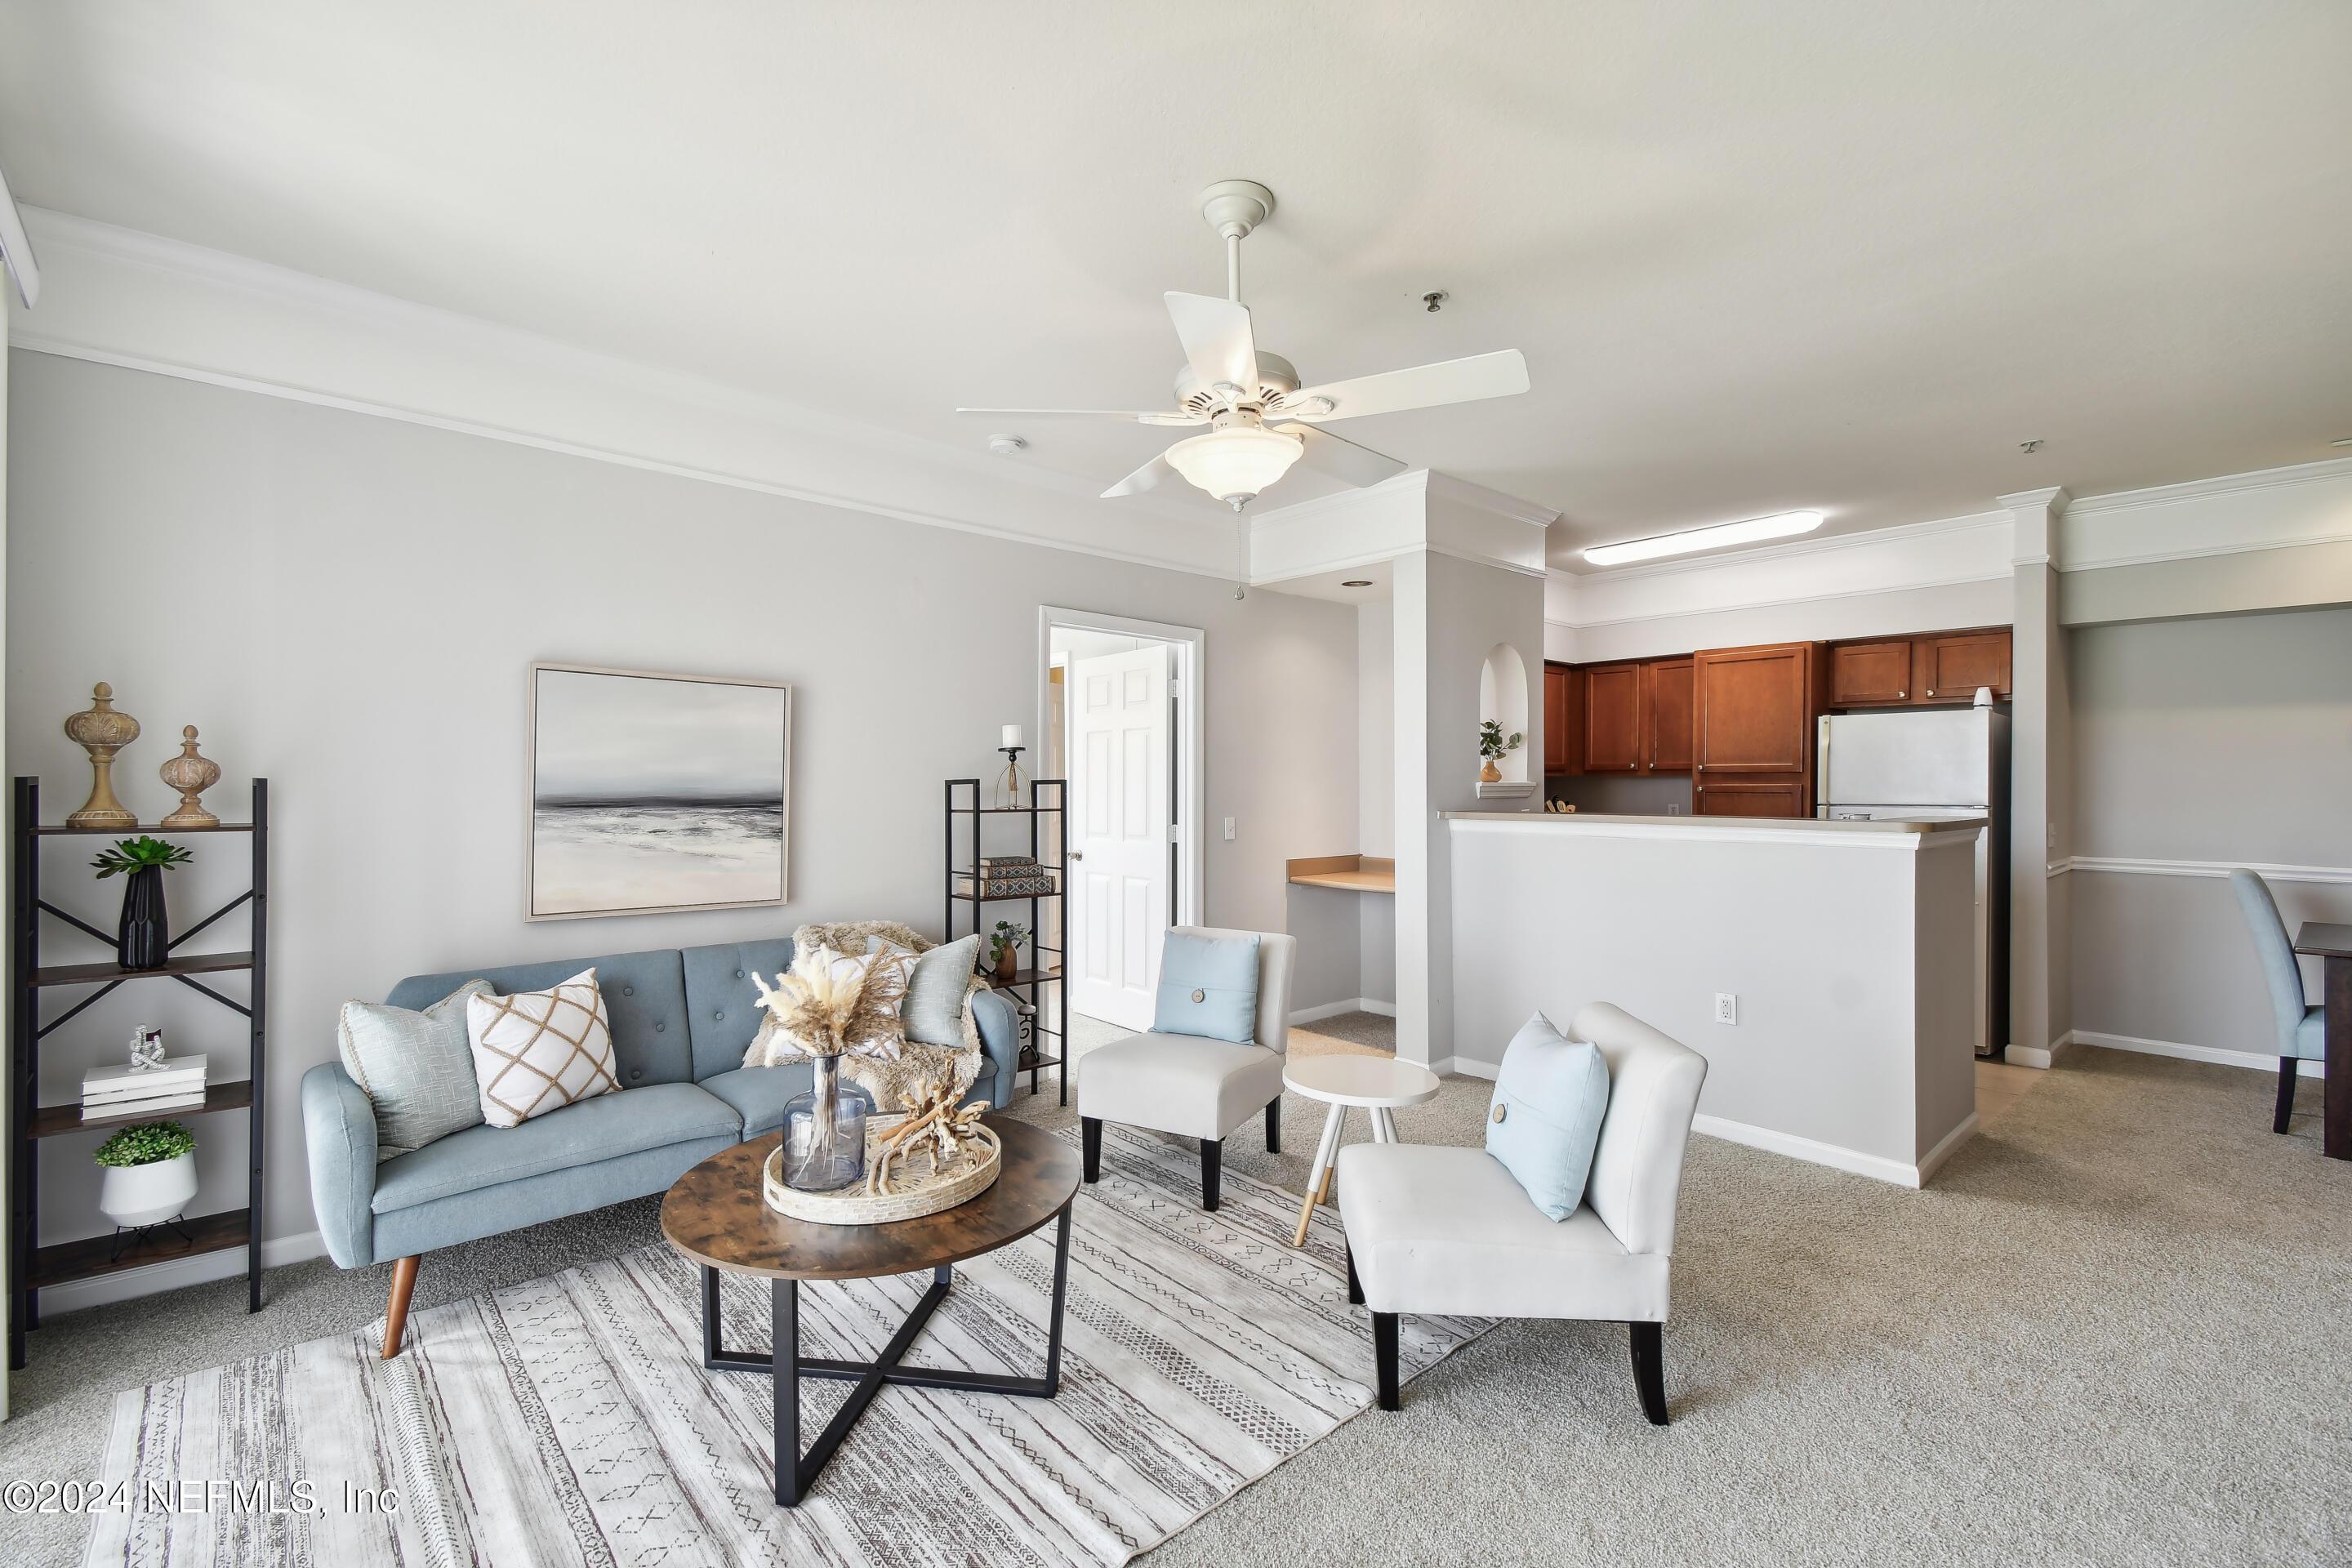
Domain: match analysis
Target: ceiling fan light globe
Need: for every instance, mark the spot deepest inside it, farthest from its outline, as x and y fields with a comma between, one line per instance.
x=1235, y=463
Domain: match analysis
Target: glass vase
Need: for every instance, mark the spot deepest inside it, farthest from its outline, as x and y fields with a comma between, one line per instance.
x=824, y=1132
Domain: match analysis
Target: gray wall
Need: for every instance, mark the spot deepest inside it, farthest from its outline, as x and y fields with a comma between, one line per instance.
x=346, y=605
x=2222, y=740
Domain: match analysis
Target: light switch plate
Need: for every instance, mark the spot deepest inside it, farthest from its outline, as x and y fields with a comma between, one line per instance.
x=1228, y=829
x=1726, y=1008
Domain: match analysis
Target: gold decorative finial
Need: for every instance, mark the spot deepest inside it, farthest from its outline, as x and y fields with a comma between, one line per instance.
x=101, y=732
x=192, y=775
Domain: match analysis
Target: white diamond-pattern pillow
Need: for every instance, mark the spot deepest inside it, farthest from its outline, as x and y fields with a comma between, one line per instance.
x=537, y=1051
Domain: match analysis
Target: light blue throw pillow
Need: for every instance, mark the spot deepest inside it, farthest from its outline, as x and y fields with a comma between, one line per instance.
x=1545, y=1120
x=1208, y=986
x=416, y=1067
x=932, y=1009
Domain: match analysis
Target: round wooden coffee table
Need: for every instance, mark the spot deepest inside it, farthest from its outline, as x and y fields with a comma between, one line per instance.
x=715, y=1215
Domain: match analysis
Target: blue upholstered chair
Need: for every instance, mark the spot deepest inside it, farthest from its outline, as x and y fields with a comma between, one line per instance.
x=2302, y=1033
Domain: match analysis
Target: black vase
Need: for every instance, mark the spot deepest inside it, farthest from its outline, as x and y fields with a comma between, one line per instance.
x=143, y=938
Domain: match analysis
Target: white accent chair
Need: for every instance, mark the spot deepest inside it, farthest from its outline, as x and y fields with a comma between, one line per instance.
x=1191, y=1087
x=1446, y=1231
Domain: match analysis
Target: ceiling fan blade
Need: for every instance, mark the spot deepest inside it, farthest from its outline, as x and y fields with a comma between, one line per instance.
x=1342, y=458
x=1152, y=476
x=1149, y=417
x=1498, y=374
x=1217, y=337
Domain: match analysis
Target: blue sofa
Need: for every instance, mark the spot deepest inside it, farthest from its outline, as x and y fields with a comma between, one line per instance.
x=681, y=1019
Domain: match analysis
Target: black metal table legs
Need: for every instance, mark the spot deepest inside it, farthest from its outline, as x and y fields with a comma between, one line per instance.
x=796, y=1472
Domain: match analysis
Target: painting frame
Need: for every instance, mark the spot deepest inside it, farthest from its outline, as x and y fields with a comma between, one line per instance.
x=533, y=758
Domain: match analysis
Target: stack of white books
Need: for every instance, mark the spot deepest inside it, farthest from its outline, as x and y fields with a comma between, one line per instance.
x=177, y=1085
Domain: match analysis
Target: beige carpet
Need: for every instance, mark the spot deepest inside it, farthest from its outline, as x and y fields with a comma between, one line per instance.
x=1350, y=1033
x=2115, y=1332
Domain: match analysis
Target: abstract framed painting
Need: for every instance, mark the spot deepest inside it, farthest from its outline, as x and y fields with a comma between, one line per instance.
x=652, y=793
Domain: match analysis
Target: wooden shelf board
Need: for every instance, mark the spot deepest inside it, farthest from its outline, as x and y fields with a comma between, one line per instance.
x=98, y=973
x=1024, y=978
x=1350, y=881
x=59, y=830
x=50, y=1120
x=1347, y=873
x=92, y=1256
x=1001, y=898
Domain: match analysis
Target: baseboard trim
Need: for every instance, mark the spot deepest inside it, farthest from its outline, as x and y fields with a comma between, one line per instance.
x=155, y=1277
x=1346, y=1005
x=2036, y=1056
x=1931, y=1162
x=2254, y=1061
x=1466, y=1066
x=1836, y=1157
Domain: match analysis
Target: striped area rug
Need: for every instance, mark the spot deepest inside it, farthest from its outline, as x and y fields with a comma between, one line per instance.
x=570, y=1420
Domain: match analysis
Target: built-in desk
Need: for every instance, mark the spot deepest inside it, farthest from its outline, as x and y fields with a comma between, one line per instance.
x=1347, y=873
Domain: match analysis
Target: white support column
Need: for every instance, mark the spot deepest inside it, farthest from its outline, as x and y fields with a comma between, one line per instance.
x=2041, y=1005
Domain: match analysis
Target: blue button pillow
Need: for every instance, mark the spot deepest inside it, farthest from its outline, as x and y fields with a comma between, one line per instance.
x=1208, y=986
x=1545, y=1120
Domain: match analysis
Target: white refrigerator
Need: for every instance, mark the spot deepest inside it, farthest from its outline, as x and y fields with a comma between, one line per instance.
x=1936, y=764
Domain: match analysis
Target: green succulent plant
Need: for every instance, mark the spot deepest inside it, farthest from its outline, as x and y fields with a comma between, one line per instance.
x=1491, y=743
x=137, y=855
x=146, y=1143
x=1005, y=935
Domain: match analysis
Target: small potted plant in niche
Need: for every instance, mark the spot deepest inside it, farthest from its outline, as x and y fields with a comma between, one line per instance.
x=1492, y=747
x=143, y=939
x=151, y=1174
x=1004, y=949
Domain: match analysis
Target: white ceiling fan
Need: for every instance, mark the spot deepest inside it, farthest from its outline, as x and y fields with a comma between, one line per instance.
x=1261, y=419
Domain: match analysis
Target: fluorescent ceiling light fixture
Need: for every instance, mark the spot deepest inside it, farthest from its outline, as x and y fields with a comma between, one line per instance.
x=1779, y=526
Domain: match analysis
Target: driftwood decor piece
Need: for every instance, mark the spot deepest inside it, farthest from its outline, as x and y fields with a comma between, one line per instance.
x=101, y=732
x=191, y=774
x=960, y=1177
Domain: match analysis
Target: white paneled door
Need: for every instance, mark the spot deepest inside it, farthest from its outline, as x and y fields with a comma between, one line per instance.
x=1118, y=831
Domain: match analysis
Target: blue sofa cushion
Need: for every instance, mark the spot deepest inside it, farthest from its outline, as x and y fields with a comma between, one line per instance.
x=758, y=1094
x=645, y=998
x=723, y=1003
x=594, y=1129
x=534, y=1200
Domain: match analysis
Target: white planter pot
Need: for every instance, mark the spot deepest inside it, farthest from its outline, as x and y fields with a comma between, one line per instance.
x=148, y=1194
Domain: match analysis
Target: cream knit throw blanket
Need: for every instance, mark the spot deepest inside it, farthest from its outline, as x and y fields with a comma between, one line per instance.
x=891, y=1083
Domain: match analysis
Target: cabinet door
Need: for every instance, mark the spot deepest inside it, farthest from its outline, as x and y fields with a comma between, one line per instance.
x=1612, y=719
x=1864, y=673
x=1954, y=666
x=1750, y=798
x=1558, y=743
x=1670, y=716
x=1755, y=709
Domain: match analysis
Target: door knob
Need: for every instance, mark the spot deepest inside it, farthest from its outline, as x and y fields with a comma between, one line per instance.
x=1077, y=854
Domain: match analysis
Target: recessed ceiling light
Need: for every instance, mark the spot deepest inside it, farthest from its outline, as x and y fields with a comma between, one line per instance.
x=1779, y=526
x=1357, y=582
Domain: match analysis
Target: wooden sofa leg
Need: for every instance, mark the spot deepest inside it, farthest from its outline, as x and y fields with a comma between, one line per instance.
x=1273, y=1125
x=396, y=1314
x=1384, y=1357
x=1090, y=1146
x=1212, y=1153
x=2287, y=1069
x=1650, y=1370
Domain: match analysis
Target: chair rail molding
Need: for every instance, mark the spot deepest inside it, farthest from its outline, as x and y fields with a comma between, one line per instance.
x=140, y=302
x=2132, y=866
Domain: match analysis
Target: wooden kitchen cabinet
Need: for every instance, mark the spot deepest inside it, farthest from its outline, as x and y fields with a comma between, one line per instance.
x=1613, y=697
x=1952, y=665
x=1670, y=716
x=1563, y=717
x=1870, y=672
x=1753, y=718
x=1928, y=669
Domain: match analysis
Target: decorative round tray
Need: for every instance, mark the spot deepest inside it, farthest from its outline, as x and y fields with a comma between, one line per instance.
x=919, y=1188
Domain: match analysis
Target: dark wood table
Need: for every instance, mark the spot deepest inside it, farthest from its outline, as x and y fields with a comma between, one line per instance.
x=715, y=1215
x=2333, y=943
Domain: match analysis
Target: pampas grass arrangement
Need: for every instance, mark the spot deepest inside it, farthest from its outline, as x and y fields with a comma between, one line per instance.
x=824, y=1006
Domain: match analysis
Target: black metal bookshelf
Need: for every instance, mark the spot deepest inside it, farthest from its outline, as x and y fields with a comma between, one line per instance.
x=32, y=1266
x=1039, y=981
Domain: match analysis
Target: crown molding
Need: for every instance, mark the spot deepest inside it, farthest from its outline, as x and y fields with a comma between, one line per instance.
x=1923, y=583
x=2320, y=472
x=141, y=302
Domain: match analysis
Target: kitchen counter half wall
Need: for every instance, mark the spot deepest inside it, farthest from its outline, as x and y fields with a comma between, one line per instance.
x=1849, y=946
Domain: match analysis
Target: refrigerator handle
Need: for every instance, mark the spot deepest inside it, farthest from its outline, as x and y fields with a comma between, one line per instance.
x=1821, y=768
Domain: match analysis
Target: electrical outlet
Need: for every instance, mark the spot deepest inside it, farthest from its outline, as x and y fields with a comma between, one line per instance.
x=1726, y=1008
x=1229, y=830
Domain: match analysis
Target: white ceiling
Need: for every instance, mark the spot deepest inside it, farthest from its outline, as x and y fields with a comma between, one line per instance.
x=1844, y=255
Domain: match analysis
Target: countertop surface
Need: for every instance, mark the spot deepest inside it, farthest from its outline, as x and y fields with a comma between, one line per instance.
x=1703, y=824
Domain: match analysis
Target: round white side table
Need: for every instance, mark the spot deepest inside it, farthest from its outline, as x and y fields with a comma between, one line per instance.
x=1378, y=1084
